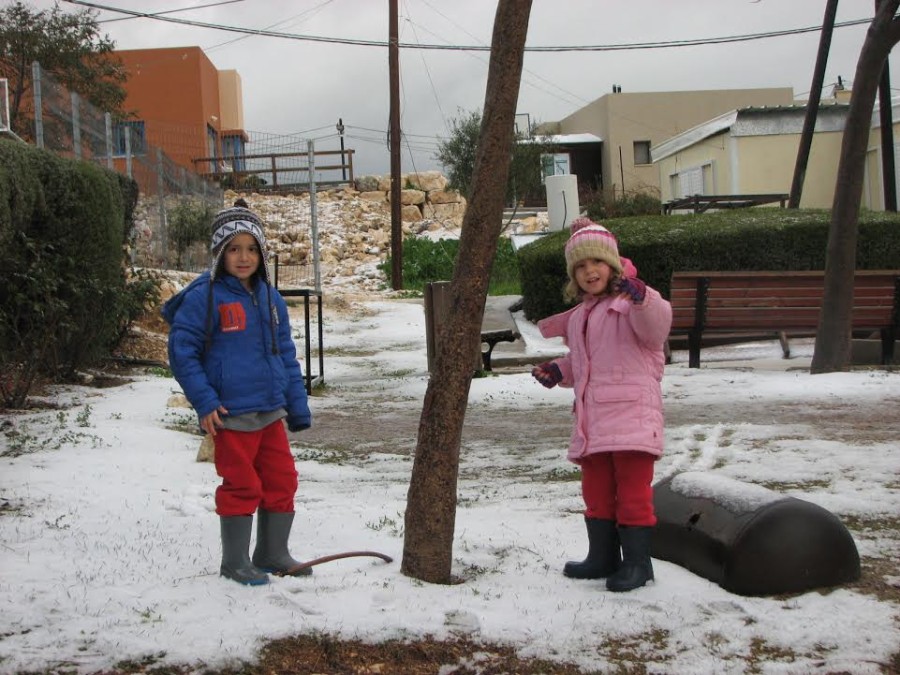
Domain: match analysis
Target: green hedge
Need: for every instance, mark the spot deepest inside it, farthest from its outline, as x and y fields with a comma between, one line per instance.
x=65, y=303
x=745, y=239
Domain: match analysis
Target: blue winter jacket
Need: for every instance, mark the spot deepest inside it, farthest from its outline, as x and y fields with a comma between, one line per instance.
x=231, y=360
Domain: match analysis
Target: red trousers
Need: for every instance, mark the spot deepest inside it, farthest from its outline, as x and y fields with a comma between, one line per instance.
x=619, y=486
x=257, y=470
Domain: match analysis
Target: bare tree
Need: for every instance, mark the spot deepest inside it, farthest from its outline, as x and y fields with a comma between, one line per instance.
x=833, y=337
x=431, y=504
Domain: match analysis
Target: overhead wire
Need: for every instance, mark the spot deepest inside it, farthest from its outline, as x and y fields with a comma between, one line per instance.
x=437, y=100
x=173, y=11
x=527, y=73
x=664, y=44
x=311, y=11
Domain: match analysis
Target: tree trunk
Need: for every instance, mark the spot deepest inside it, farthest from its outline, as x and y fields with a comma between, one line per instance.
x=833, y=337
x=431, y=501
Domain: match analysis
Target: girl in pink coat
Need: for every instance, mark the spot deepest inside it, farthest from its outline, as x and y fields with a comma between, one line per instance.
x=615, y=336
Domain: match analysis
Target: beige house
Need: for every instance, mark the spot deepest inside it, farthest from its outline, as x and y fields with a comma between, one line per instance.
x=607, y=143
x=873, y=187
x=752, y=151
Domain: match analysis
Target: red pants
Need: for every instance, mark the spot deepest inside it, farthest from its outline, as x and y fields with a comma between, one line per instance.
x=619, y=486
x=257, y=470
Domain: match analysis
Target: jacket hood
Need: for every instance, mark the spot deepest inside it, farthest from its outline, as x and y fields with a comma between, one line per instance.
x=170, y=308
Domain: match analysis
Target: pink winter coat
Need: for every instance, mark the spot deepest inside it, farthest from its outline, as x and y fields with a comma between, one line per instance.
x=615, y=364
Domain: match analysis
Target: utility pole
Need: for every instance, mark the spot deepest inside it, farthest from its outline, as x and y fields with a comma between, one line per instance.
x=340, y=130
x=812, y=105
x=396, y=223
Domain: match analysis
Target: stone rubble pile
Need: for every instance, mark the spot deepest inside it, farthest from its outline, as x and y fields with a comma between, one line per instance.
x=354, y=226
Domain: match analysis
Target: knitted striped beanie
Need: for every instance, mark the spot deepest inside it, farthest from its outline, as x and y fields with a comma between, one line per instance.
x=230, y=222
x=591, y=240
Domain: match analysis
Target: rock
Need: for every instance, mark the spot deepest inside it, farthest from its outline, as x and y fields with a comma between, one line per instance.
x=374, y=196
x=410, y=214
x=178, y=401
x=408, y=197
x=367, y=183
x=207, y=450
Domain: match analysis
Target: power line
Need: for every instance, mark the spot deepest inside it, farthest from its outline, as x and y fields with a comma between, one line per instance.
x=312, y=11
x=474, y=48
x=173, y=11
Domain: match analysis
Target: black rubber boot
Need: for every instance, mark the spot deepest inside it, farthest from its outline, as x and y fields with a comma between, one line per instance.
x=236, y=563
x=603, y=556
x=636, y=569
x=271, y=553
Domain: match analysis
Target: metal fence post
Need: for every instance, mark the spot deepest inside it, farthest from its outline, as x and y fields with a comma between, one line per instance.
x=313, y=219
x=161, y=194
x=107, y=119
x=76, y=125
x=38, y=109
x=128, y=171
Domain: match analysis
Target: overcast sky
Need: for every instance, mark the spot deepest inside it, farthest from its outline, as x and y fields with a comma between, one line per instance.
x=303, y=87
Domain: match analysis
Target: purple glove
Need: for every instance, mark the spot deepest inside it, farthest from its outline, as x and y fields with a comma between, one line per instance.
x=633, y=287
x=548, y=374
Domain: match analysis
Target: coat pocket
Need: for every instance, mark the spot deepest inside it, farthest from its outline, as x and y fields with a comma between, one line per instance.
x=616, y=394
x=617, y=411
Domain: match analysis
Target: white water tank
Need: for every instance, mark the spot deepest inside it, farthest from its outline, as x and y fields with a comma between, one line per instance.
x=562, y=200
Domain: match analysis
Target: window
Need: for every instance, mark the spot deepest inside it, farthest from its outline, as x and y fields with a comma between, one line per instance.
x=233, y=151
x=212, y=143
x=642, y=152
x=698, y=180
x=554, y=164
x=136, y=141
x=691, y=182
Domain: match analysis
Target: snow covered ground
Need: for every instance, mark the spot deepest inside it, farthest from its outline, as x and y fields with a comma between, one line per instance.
x=109, y=544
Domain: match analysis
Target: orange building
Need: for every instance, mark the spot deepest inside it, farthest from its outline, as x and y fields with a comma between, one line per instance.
x=178, y=101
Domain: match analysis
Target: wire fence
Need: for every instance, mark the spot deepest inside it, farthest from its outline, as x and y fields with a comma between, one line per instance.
x=168, y=181
x=69, y=126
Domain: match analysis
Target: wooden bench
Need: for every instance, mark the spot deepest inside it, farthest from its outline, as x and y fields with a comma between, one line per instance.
x=720, y=303
x=491, y=338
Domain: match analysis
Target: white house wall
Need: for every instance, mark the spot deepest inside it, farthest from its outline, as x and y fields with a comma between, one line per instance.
x=753, y=163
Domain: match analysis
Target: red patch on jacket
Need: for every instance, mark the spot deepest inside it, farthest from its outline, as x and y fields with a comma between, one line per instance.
x=232, y=317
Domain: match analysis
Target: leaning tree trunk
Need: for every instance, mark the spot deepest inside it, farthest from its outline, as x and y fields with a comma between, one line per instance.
x=431, y=503
x=833, y=336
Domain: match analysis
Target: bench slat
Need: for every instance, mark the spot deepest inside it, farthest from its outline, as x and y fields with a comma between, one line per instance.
x=769, y=301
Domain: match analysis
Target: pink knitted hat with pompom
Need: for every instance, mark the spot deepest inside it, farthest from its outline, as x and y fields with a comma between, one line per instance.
x=591, y=240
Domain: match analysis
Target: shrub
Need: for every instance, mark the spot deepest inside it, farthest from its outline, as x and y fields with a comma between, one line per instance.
x=189, y=223
x=62, y=229
x=426, y=261
x=743, y=239
x=602, y=206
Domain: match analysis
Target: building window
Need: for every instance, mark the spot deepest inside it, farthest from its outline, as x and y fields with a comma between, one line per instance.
x=212, y=143
x=136, y=142
x=698, y=180
x=642, y=152
x=233, y=151
x=554, y=164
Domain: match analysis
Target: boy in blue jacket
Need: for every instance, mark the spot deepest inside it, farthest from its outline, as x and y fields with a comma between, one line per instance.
x=230, y=349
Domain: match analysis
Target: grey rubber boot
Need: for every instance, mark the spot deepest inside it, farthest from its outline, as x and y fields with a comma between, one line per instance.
x=236, y=563
x=636, y=569
x=603, y=556
x=271, y=553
